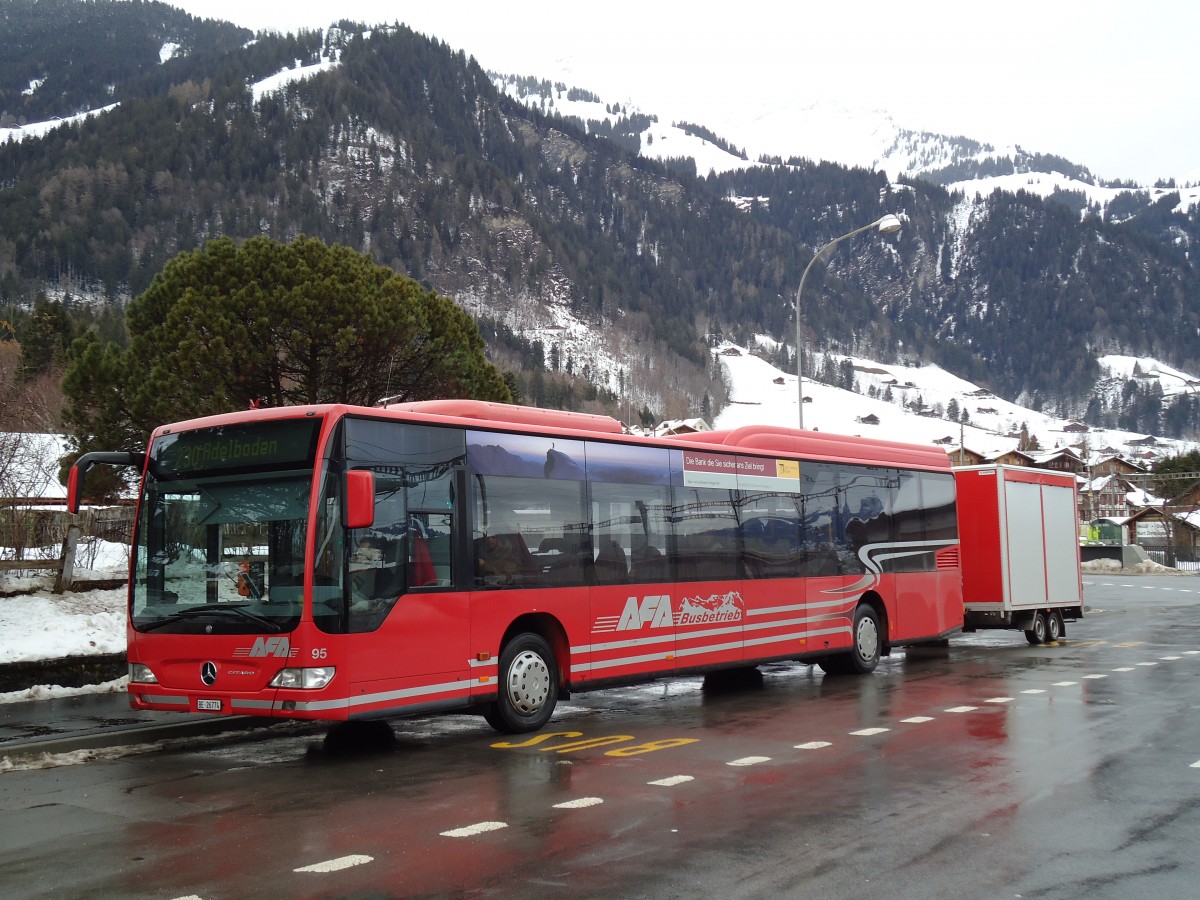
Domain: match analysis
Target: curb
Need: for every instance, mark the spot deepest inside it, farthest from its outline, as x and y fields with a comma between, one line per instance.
x=134, y=734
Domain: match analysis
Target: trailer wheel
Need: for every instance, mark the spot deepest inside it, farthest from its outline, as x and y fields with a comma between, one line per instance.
x=1054, y=626
x=1037, y=634
x=528, y=686
x=864, y=652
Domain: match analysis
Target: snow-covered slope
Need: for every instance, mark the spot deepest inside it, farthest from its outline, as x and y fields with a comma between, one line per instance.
x=762, y=394
x=820, y=131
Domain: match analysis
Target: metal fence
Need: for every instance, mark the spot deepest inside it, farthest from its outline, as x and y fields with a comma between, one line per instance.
x=1185, y=559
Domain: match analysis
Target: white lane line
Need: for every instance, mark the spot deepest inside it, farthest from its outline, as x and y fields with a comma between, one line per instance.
x=917, y=720
x=1191, y=652
x=472, y=830
x=1147, y=664
x=962, y=709
x=1065, y=683
x=336, y=865
x=672, y=781
x=1170, y=658
x=1094, y=677
x=581, y=803
x=999, y=700
x=1034, y=691
x=1195, y=765
x=1124, y=669
x=749, y=761
x=869, y=732
x=814, y=745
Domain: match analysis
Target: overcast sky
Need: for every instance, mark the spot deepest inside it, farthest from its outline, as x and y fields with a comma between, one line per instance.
x=1109, y=84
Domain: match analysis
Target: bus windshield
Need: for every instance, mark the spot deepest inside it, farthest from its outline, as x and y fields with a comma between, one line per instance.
x=222, y=529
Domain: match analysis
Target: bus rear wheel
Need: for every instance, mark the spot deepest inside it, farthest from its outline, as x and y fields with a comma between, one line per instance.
x=864, y=652
x=528, y=686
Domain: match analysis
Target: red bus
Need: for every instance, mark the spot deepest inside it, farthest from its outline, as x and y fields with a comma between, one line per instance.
x=338, y=562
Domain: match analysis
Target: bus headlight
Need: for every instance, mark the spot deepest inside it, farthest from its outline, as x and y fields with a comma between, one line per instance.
x=305, y=679
x=141, y=674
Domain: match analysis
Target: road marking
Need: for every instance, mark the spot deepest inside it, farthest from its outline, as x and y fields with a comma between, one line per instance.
x=672, y=781
x=1130, y=644
x=1147, y=664
x=1170, y=658
x=814, y=745
x=1034, y=691
x=1191, y=652
x=962, y=709
x=1065, y=683
x=581, y=803
x=1091, y=677
x=917, y=720
x=999, y=700
x=749, y=761
x=869, y=732
x=472, y=830
x=1124, y=669
x=336, y=865
x=1195, y=765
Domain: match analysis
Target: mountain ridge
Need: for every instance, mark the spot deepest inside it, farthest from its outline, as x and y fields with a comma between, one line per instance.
x=407, y=151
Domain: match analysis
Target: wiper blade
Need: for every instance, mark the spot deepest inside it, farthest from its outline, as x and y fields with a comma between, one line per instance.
x=196, y=612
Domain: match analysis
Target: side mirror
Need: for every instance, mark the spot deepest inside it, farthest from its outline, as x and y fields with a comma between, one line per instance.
x=360, y=499
x=79, y=472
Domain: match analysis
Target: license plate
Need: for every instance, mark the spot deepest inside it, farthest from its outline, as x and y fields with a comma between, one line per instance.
x=209, y=705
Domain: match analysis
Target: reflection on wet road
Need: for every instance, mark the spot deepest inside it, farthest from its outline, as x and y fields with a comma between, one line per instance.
x=987, y=769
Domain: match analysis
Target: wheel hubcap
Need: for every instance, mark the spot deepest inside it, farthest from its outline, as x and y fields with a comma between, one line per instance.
x=528, y=683
x=868, y=638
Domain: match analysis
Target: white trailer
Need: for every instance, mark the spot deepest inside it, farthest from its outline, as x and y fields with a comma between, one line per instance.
x=1019, y=550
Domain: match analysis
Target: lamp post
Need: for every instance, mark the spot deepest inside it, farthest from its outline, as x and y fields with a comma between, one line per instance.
x=888, y=224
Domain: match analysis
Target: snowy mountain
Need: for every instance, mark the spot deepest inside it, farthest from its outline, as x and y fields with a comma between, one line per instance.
x=759, y=392
x=869, y=139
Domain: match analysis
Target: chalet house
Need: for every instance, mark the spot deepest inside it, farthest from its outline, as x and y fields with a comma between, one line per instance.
x=1116, y=465
x=1112, y=497
x=1064, y=459
x=1177, y=533
x=1076, y=428
x=1012, y=458
x=869, y=419
x=965, y=456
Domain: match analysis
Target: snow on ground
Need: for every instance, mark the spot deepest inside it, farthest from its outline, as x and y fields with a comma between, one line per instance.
x=39, y=624
x=42, y=625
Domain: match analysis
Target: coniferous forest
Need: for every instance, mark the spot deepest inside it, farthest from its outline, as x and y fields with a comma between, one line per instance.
x=405, y=150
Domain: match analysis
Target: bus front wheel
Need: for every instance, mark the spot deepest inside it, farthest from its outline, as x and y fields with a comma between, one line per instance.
x=528, y=686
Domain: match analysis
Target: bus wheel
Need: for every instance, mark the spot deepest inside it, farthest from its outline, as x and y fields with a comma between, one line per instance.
x=867, y=648
x=1054, y=626
x=1037, y=634
x=528, y=686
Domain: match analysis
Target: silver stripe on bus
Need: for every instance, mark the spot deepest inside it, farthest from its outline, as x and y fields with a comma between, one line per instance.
x=250, y=704
x=165, y=698
x=385, y=696
x=795, y=607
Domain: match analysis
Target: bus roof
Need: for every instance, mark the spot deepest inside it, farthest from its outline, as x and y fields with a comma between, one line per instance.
x=758, y=439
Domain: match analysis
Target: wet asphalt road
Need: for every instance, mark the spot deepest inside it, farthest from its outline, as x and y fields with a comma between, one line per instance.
x=989, y=769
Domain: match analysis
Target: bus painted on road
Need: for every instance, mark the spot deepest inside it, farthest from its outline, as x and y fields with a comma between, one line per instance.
x=337, y=562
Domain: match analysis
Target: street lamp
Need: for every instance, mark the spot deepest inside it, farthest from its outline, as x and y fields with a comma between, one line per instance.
x=888, y=224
